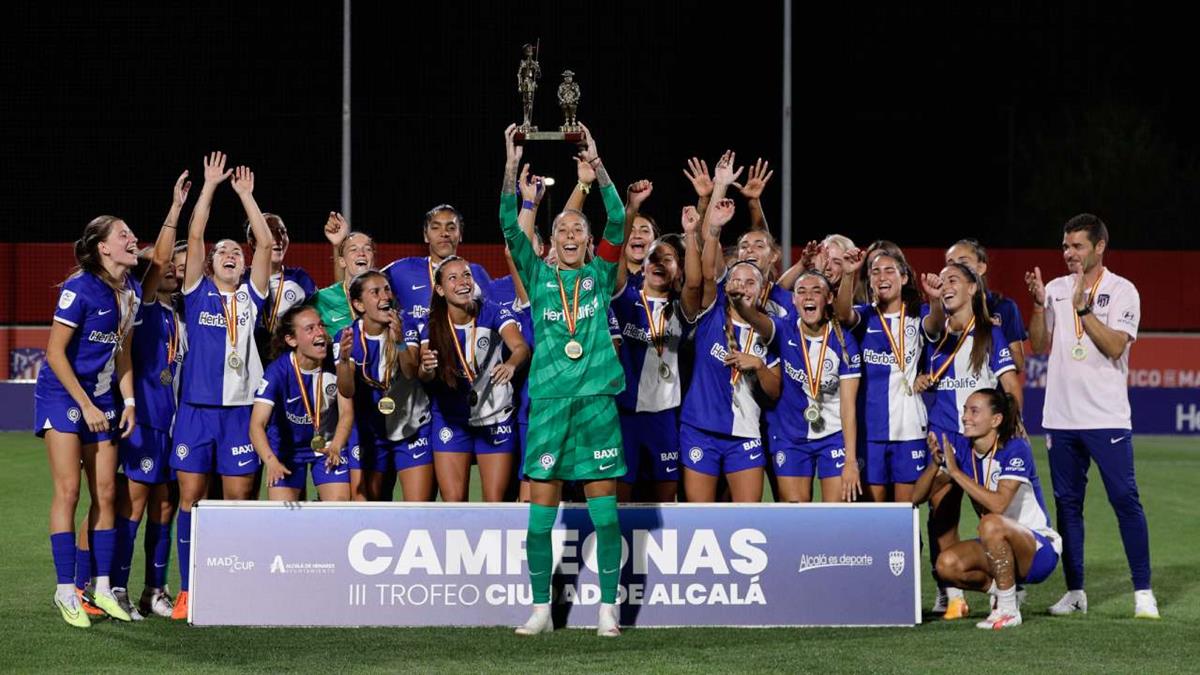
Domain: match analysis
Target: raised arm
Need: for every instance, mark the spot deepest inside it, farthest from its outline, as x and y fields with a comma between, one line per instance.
x=843, y=302
x=586, y=176
x=635, y=195
x=336, y=231
x=756, y=180
x=164, y=245
x=697, y=174
x=260, y=264
x=754, y=316
x=1039, y=336
x=532, y=189
x=713, y=257
x=692, y=299
x=723, y=176
x=214, y=175
x=810, y=258
x=1110, y=341
x=616, y=230
x=936, y=318
x=519, y=245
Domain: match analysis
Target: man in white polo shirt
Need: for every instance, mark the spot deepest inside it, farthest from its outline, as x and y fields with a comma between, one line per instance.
x=1087, y=321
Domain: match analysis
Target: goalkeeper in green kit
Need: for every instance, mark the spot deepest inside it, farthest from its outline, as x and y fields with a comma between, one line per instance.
x=574, y=432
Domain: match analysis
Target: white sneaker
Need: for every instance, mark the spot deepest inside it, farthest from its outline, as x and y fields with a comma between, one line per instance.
x=1144, y=605
x=939, y=605
x=999, y=620
x=156, y=602
x=1020, y=596
x=1070, y=603
x=122, y=596
x=609, y=624
x=539, y=622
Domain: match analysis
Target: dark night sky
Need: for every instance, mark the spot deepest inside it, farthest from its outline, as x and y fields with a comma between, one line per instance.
x=922, y=124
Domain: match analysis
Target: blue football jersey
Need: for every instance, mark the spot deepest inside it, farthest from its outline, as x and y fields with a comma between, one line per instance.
x=371, y=367
x=891, y=411
x=481, y=346
x=649, y=351
x=835, y=360
x=208, y=376
x=412, y=284
x=101, y=317
x=291, y=428
x=159, y=343
x=956, y=379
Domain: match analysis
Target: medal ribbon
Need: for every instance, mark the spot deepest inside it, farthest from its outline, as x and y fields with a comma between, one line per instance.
x=172, y=339
x=384, y=357
x=657, y=331
x=1091, y=296
x=314, y=411
x=814, y=380
x=125, y=316
x=934, y=377
x=230, y=310
x=899, y=351
x=571, y=313
x=988, y=471
x=274, y=315
x=733, y=344
x=467, y=364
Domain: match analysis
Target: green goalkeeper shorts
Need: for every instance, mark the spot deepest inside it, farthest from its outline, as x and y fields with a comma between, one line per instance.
x=574, y=439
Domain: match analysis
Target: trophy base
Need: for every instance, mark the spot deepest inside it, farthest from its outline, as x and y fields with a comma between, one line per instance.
x=569, y=136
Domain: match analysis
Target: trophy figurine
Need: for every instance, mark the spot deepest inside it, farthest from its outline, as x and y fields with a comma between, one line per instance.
x=528, y=74
x=568, y=100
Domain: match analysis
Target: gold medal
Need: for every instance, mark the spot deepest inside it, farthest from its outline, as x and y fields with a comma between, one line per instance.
x=574, y=350
x=165, y=376
x=317, y=443
x=466, y=355
x=813, y=412
x=1079, y=352
x=234, y=361
x=230, y=311
x=664, y=371
x=313, y=409
x=386, y=405
x=898, y=348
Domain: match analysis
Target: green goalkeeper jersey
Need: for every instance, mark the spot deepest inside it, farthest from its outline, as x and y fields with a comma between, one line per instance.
x=553, y=374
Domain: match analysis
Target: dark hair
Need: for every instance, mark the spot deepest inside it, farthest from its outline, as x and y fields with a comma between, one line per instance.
x=981, y=255
x=285, y=327
x=443, y=207
x=981, y=346
x=274, y=222
x=653, y=223
x=440, y=338
x=1003, y=404
x=830, y=314
x=209, y=268
x=357, y=282
x=87, y=248
x=675, y=242
x=1096, y=230
x=909, y=295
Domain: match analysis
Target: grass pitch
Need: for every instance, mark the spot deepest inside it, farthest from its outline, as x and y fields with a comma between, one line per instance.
x=1108, y=639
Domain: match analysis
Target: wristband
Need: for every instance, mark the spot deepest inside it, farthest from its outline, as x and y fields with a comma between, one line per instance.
x=1083, y=312
x=528, y=205
x=130, y=402
x=595, y=161
x=585, y=188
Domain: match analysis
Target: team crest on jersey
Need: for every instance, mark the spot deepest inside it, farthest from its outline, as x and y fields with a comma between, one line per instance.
x=445, y=434
x=758, y=349
x=331, y=390
x=1102, y=300
x=910, y=331
x=243, y=296
x=66, y=299
x=146, y=465
x=483, y=343
x=262, y=386
x=289, y=295
x=829, y=365
x=354, y=452
x=780, y=458
x=695, y=454
x=546, y=460
x=181, y=451
x=896, y=562
x=73, y=414
x=587, y=284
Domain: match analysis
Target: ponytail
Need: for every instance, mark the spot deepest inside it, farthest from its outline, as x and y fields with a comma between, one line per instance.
x=285, y=328
x=1004, y=404
x=87, y=248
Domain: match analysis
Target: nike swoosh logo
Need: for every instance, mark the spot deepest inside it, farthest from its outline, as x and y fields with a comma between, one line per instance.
x=672, y=469
x=162, y=565
x=756, y=455
x=921, y=467
x=839, y=465
x=339, y=473
x=536, y=574
x=213, y=295
x=793, y=343
x=607, y=571
x=417, y=288
x=551, y=285
x=419, y=456
x=606, y=467
x=870, y=330
x=102, y=312
x=293, y=399
x=336, y=317
x=245, y=462
x=124, y=567
x=1116, y=440
x=185, y=541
